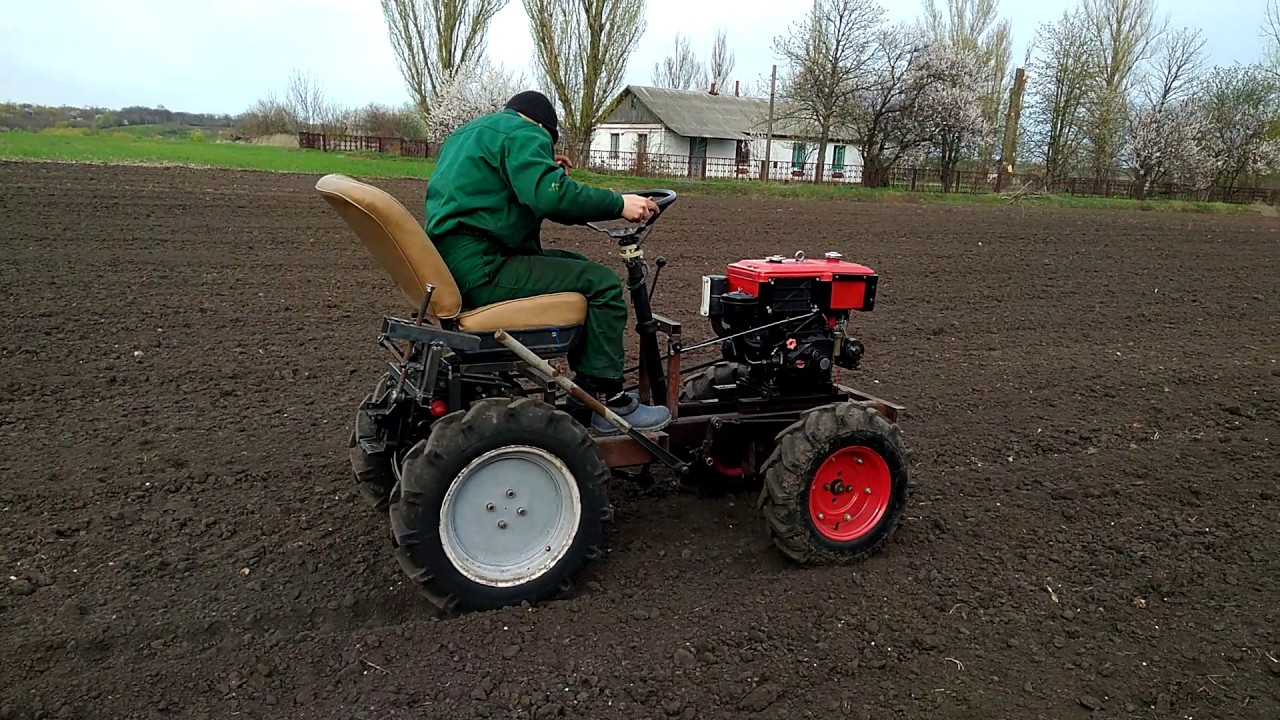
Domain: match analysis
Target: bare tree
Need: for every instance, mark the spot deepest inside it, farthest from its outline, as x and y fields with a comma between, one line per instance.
x=433, y=38
x=975, y=28
x=680, y=70
x=1176, y=69
x=305, y=100
x=722, y=62
x=1060, y=77
x=886, y=113
x=581, y=49
x=827, y=59
x=1271, y=31
x=1122, y=35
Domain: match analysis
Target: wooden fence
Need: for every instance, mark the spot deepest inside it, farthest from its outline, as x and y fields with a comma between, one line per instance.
x=363, y=143
x=909, y=179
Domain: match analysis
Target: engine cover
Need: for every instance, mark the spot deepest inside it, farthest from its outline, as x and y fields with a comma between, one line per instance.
x=782, y=283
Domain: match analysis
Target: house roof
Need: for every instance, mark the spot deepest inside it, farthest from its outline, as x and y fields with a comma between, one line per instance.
x=694, y=113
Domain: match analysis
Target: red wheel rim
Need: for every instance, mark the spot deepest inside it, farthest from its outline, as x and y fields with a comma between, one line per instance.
x=849, y=494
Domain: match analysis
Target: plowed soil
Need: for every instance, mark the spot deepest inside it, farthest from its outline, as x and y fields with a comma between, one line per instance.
x=1094, y=402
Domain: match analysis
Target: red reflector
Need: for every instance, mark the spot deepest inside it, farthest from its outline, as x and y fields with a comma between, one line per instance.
x=438, y=408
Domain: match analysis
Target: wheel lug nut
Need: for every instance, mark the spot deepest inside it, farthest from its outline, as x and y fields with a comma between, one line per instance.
x=859, y=461
x=822, y=516
x=489, y=507
x=520, y=511
x=511, y=493
x=847, y=517
x=867, y=491
x=502, y=524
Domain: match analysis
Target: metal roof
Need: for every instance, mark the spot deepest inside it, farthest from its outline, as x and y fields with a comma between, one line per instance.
x=694, y=113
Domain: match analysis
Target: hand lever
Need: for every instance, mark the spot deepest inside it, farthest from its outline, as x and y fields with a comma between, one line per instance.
x=661, y=262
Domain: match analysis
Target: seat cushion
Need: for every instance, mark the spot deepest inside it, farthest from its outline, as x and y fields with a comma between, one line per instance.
x=555, y=310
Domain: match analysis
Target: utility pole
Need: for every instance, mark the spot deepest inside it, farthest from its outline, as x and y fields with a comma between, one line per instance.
x=768, y=142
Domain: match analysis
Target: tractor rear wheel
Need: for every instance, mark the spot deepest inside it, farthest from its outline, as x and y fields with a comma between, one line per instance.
x=373, y=472
x=503, y=503
x=836, y=486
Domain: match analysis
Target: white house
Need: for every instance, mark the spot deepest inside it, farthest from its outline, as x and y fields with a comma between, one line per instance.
x=689, y=133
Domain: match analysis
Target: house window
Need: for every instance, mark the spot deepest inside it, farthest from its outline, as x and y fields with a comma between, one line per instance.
x=615, y=145
x=837, y=158
x=798, y=153
x=642, y=143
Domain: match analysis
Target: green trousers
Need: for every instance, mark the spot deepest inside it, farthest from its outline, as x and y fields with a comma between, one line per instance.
x=600, y=352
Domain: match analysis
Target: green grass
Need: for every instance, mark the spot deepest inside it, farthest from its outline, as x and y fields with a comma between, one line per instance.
x=126, y=148
x=135, y=148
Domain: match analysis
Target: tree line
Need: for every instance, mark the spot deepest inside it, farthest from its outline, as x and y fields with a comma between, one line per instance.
x=31, y=116
x=1109, y=88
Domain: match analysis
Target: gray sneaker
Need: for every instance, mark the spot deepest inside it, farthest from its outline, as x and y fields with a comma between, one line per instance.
x=645, y=418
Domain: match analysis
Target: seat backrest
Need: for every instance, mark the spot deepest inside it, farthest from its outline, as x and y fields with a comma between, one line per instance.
x=394, y=237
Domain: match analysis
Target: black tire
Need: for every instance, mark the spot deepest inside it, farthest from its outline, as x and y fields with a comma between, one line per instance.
x=458, y=439
x=373, y=474
x=708, y=480
x=701, y=386
x=846, y=432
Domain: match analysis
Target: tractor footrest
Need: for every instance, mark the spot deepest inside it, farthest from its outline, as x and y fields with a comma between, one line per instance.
x=621, y=451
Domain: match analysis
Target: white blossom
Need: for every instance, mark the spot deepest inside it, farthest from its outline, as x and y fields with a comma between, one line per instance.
x=1241, y=105
x=949, y=109
x=1167, y=144
x=469, y=92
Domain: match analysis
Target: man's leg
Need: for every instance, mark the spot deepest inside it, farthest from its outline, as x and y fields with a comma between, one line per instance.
x=599, y=359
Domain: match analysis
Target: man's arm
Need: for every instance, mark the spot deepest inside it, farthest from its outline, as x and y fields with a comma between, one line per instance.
x=544, y=186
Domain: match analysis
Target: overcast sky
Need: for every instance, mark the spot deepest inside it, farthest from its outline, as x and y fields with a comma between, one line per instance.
x=221, y=56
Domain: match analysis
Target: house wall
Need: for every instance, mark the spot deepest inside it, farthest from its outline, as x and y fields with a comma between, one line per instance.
x=668, y=155
x=782, y=159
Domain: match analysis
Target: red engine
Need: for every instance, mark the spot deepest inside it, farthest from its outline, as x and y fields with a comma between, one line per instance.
x=782, y=287
x=784, y=317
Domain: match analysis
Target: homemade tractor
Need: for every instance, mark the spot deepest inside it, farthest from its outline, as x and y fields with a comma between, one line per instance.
x=479, y=451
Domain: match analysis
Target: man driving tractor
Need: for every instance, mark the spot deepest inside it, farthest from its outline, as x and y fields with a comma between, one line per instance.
x=495, y=181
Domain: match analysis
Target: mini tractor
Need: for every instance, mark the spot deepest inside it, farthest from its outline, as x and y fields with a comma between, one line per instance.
x=479, y=451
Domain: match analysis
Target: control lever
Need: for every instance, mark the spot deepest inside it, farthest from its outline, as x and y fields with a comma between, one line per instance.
x=661, y=262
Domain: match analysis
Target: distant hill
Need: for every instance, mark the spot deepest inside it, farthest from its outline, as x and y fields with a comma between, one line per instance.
x=28, y=116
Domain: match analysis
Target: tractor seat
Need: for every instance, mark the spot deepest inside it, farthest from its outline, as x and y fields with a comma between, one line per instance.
x=401, y=246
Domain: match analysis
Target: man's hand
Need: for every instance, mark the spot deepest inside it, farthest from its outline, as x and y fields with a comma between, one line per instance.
x=637, y=209
x=564, y=162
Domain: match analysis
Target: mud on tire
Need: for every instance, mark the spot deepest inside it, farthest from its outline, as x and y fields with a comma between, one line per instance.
x=718, y=481
x=373, y=474
x=474, y=537
x=836, y=486
x=702, y=385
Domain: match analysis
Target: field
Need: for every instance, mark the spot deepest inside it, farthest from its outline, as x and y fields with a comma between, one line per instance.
x=1094, y=401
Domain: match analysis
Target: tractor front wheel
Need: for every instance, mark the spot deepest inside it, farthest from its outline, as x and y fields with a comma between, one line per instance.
x=503, y=503
x=836, y=486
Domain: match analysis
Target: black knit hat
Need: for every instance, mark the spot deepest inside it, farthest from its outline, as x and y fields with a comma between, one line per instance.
x=535, y=106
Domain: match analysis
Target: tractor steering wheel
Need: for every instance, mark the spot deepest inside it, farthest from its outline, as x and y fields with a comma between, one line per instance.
x=629, y=235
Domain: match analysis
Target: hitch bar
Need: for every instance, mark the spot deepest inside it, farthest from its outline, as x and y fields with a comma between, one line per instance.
x=679, y=466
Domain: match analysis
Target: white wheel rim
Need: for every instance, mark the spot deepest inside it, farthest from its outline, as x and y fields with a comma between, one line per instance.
x=510, y=516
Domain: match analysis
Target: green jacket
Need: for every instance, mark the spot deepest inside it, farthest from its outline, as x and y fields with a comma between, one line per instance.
x=494, y=183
